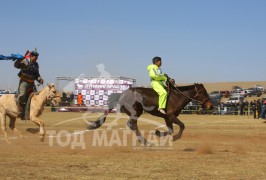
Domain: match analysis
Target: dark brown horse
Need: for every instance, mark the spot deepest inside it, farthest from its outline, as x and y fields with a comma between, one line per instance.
x=136, y=100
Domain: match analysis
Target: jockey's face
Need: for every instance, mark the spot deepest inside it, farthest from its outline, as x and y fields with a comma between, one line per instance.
x=33, y=58
x=159, y=63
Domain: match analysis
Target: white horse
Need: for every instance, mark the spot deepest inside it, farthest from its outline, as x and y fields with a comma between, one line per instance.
x=9, y=108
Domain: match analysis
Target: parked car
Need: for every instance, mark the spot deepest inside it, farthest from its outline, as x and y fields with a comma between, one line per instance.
x=238, y=93
x=215, y=94
x=4, y=92
x=261, y=88
x=215, y=101
x=225, y=94
x=237, y=88
x=236, y=99
x=191, y=108
x=254, y=92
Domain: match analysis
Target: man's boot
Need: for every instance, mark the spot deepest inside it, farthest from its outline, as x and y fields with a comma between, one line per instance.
x=21, y=109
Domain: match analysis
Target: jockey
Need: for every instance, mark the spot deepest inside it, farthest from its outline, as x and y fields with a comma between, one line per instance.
x=157, y=79
x=28, y=73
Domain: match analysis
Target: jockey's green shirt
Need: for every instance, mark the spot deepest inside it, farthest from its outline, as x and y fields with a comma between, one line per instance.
x=157, y=79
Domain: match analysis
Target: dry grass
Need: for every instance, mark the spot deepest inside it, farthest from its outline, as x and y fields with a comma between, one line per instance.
x=212, y=147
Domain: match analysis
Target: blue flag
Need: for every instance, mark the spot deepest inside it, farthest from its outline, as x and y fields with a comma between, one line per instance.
x=12, y=57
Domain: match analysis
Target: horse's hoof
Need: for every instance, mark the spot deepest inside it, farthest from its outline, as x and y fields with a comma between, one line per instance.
x=41, y=138
x=176, y=138
x=92, y=125
x=161, y=134
x=149, y=144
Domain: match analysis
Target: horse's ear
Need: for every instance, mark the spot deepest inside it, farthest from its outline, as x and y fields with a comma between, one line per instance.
x=50, y=85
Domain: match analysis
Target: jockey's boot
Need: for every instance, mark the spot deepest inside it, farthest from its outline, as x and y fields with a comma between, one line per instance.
x=21, y=110
x=162, y=111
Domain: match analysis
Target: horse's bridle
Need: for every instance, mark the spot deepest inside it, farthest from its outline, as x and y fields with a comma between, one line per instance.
x=197, y=95
x=49, y=96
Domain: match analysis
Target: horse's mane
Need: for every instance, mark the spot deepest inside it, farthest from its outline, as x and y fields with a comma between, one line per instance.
x=38, y=92
x=185, y=88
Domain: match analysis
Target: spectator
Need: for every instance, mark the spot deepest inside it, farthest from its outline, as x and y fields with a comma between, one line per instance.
x=236, y=106
x=71, y=97
x=246, y=108
x=80, y=99
x=219, y=107
x=259, y=107
x=253, y=105
x=241, y=107
x=263, y=110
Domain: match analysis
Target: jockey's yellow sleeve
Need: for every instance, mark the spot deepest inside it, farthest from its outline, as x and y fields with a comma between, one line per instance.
x=155, y=74
x=157, y=79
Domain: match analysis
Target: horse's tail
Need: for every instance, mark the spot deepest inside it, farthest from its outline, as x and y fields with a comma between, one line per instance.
x=112, y=103
x=100, y=120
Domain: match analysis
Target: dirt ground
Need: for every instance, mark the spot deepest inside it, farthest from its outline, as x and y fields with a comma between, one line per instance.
x=212, y=147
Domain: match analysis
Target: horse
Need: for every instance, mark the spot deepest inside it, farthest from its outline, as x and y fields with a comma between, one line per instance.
x=134, y=101
x=39, y=100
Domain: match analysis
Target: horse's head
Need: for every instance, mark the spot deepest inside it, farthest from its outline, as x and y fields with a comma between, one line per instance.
x=202, y=96
x=52, y=95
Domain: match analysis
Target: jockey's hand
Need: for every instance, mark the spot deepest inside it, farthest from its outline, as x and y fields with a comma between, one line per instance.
x=40, y=80
x=166, y=76
x=172, y=81
x=23, y=64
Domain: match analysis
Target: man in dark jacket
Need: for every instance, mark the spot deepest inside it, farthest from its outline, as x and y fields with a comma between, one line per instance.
x=253, y=105
x=263, y=110
x=259, y=106
x=28, y=74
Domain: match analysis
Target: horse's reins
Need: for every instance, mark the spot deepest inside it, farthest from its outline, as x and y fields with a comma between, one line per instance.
x=201, y=102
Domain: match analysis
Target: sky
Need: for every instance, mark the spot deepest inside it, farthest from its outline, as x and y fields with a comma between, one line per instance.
x=198, y=40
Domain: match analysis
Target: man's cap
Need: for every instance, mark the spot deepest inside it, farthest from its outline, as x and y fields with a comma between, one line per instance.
x=34, y=53
x=156, y=58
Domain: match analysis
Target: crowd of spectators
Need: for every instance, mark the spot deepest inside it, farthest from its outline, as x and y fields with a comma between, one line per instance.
x=256, y=108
